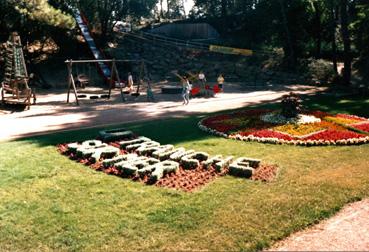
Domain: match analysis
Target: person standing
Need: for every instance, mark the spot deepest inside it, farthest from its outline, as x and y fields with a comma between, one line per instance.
x=186, y=89
x=150, y=94
x=220, y=82
x=202, y=78
x=130, y=82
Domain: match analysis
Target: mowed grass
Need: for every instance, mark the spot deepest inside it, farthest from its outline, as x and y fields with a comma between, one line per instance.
x=48, y=202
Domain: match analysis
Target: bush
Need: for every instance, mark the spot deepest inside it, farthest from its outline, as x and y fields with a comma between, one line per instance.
x=115, y=134
x=240, y=171
x=220, y=166
x=291, y=105
x=320, y=71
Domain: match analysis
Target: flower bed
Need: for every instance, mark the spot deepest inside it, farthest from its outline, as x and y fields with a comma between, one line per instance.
x=308, y=129
x=142, y=159
x=362, y=126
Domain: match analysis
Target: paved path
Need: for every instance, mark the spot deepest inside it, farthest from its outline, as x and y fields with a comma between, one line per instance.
x=346, y=231
x=53, y=114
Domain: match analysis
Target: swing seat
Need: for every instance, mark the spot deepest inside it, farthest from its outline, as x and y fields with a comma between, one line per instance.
x=83, y=80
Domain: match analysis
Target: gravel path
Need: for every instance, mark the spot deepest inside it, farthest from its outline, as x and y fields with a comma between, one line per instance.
x=346, y=231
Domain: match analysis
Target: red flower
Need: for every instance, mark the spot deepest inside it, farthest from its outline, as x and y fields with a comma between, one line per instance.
x=334, y=135
x=351, y=117
x=319, y=114
x=266, y=133
x=223, y=128
x=363, y=127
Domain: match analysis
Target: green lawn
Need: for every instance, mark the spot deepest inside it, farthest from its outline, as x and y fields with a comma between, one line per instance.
x=48, y=202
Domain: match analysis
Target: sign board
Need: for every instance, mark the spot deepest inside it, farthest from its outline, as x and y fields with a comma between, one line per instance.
x=230, y=50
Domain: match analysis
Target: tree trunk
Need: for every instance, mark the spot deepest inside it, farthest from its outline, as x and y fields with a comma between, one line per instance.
x=161, y=10
x=224, y=8
x=334, y=15
x=290, y=54
x=168, y=9
x=184, y=8
x=318, y=24
x=346, y=42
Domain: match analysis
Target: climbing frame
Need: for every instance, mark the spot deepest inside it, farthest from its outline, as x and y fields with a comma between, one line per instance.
x=14, y=87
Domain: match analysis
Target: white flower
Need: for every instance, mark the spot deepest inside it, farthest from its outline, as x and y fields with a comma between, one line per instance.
x=277, y=118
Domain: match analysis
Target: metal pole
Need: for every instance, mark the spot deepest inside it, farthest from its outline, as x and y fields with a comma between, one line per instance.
x=69, y=65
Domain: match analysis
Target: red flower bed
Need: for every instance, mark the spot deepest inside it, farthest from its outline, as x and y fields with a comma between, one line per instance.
x=251, y=112
x=266, y=133
x=224, y=128
x=319, y=114
x=217, y=118
x=250, y=123
x=363, y=127
x=354, y=117
x=334, y=135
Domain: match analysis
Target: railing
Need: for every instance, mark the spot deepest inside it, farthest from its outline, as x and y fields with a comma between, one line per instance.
x=166, y=40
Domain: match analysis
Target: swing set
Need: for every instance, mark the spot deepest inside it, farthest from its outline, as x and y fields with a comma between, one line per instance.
x=78, y=80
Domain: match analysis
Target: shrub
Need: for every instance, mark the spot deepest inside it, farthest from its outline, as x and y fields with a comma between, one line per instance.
x=222, y=165
x=254, y=163
x=320, y=71
x=192, y=161
x=124, y=144
x=180, y=154
x=291, y=105
x=240, y=170
x=115, y=134
x=211, y=161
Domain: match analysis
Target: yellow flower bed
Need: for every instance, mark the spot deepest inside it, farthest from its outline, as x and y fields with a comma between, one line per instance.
x=299, y=129
x=340, y=120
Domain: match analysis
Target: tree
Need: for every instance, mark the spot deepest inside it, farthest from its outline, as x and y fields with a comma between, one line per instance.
x=346, y=41
x=104, y=13
x=41, y=11
x=175, y=9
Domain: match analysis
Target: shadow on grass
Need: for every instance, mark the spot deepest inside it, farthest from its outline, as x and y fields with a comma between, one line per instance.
x=166, y=131
x=180, y=130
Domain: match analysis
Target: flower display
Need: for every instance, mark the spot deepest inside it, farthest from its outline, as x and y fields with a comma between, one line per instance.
x=300, y=130
x=308, y=129
x=142, y=159
x=362, y=126
x=299, y=119
x=342, y=120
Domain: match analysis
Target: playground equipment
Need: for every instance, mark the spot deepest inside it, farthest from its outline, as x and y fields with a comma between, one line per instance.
x=107, y=72
x=114, y=79
x=102, y=66
x=14, y=88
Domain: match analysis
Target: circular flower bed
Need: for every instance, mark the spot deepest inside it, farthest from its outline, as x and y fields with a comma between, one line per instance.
x=308, y=129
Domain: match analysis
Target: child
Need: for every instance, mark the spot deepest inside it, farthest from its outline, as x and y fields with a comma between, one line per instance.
x=186, y=91
x=130, y=82
x=220, y=82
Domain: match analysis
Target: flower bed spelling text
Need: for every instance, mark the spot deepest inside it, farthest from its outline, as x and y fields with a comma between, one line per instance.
x=141, y=158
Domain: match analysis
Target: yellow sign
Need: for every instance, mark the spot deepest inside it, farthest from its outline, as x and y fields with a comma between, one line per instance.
x=230, y=50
